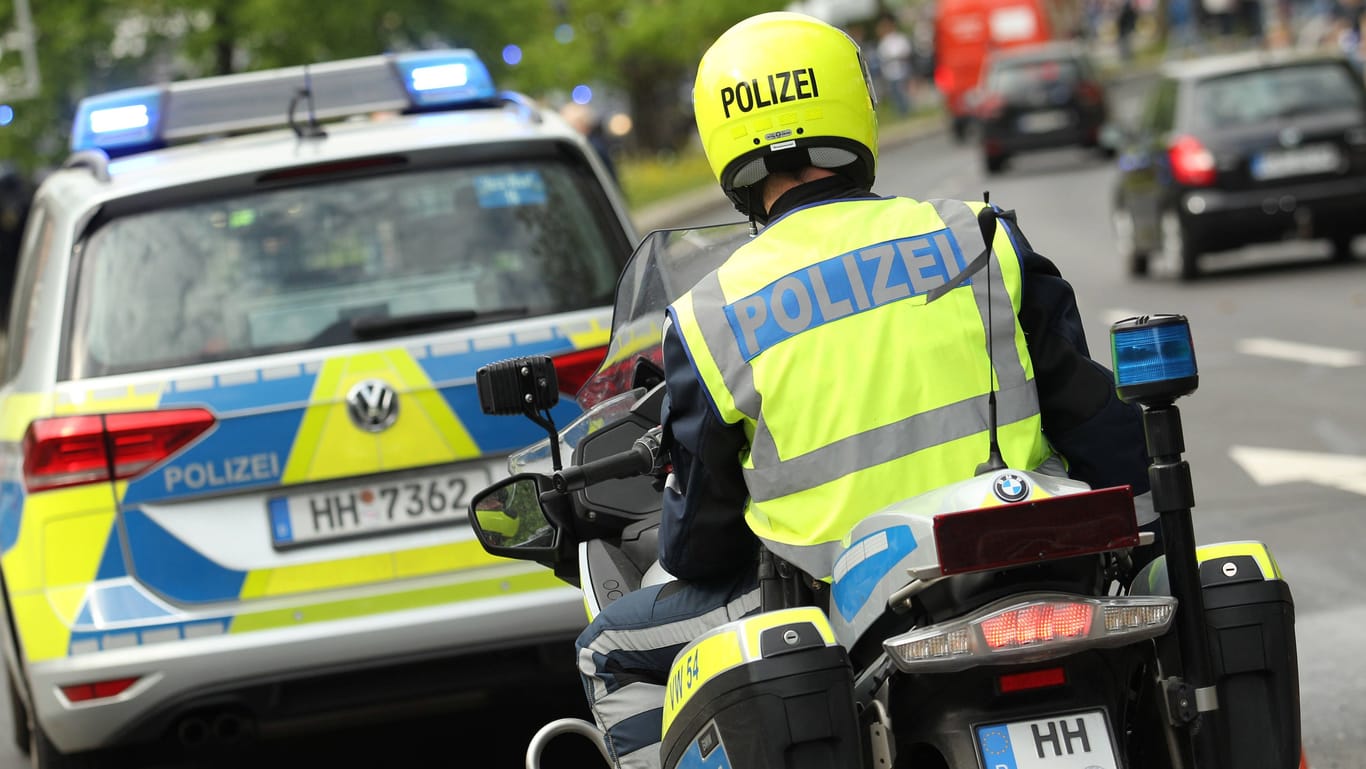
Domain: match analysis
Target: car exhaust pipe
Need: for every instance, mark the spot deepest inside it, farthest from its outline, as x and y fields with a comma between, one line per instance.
x=231, y=728
x=193, y=732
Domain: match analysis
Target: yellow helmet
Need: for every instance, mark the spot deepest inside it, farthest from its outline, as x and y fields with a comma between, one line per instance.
x=780, y=91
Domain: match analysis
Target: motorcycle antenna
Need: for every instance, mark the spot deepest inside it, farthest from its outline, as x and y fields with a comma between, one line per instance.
x=986, y=221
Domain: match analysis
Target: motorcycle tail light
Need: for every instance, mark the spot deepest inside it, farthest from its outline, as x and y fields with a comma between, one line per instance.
x=1029, y=628
x=1037, y=624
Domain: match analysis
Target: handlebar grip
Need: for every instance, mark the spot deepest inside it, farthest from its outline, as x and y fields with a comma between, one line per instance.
x=637, y=460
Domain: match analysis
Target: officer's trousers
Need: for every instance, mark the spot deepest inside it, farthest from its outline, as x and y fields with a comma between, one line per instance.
x=624, y=656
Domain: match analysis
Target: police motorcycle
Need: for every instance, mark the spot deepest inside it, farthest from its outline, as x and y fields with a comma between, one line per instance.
x=996, y=623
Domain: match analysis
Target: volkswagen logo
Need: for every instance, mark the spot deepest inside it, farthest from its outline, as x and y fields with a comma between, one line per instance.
x=1290, y=137
x=373, y=405
x=1011, y=487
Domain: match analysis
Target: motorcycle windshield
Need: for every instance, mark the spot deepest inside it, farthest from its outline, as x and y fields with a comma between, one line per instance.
x=662, y=268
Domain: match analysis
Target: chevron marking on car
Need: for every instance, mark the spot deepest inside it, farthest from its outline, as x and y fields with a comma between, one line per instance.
x=328, y=445
x=61, y=540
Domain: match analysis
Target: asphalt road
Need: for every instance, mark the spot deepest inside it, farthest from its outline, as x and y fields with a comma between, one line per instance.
x=1275, y=436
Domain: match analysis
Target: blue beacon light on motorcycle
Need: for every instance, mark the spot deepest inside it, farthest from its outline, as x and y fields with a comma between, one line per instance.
x=1154, y=359
x=119, y=122
x=445, y=78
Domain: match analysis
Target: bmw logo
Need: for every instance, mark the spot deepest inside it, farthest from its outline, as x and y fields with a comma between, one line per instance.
x=1011, y=487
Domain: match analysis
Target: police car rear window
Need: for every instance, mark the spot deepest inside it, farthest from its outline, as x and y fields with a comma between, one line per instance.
x=303, y=267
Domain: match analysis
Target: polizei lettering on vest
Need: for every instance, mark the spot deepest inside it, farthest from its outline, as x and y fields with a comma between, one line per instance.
x=843, y=285
x=780, y=87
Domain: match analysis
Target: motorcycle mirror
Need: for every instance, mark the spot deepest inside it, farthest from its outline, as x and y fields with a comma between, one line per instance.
x=518, y=385
x=509, y=521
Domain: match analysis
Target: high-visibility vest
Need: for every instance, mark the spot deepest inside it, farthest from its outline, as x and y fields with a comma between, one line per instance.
x=857, y=383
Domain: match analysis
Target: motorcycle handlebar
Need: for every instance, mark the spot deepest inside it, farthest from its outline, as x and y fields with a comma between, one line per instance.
x=642, y=458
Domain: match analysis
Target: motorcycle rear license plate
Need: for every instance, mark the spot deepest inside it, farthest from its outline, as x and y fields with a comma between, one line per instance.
x=1069, y=741
x=373, y=508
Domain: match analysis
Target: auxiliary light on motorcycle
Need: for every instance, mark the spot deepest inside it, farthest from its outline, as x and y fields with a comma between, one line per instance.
x=1029, y=628
x=1154, y=359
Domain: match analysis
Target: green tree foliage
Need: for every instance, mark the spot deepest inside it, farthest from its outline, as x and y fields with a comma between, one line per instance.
x=644, y=49
x=648, y=49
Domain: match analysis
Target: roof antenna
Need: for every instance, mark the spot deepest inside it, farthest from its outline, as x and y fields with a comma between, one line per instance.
x=986, y=221
x=312, y=129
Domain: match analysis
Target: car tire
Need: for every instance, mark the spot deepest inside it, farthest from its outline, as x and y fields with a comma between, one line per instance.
x=18, y=715
x=1135, y=259
x=1342, y=248
x=42, y=754
x=1179, y=254
x=994, y=164
x=958, y=128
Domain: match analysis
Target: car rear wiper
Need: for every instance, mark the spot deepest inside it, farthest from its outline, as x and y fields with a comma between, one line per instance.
x=377, y=326
x=1299, y=110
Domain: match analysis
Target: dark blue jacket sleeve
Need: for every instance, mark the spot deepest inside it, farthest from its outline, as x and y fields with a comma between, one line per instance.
x=1100, y=435
x=703, y=534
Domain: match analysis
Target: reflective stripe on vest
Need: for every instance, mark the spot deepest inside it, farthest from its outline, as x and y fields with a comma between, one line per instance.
x=752, y=314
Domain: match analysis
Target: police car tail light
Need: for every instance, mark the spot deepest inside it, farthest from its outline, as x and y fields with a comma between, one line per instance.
x=573, y=369
x=71, y=451
x=1029, y=628
x=99, y=690
x=1036, y=530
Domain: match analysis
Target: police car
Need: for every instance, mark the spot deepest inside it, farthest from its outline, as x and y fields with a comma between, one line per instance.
x=239, y=425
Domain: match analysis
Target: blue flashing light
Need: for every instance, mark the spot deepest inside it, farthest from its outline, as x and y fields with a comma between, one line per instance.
x=1153, y=355
x=6, y=114
x=119, y=122
x=445, y=78
x=512, y=55
x=582, y=94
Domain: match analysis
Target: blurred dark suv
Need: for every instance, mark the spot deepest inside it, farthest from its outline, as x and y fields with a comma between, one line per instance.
x=1039, y=97
x=1241, y=149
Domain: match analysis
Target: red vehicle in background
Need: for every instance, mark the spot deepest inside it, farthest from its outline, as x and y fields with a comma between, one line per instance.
x=965, y=31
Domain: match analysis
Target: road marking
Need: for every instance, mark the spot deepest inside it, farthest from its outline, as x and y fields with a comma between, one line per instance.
x=1271, y=467
x=1302, y=353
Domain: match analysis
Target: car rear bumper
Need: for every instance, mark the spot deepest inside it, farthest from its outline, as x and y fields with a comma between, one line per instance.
x=1219, y=219
x=1001, y=138
x=229, y=671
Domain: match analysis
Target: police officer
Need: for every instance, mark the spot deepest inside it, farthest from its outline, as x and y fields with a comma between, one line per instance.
x=837, y=362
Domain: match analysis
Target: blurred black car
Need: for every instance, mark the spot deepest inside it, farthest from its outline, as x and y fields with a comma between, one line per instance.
x=1038, y=97
x=1240, y=149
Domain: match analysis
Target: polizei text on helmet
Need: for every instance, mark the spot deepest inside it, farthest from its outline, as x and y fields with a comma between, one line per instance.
x=777, y=88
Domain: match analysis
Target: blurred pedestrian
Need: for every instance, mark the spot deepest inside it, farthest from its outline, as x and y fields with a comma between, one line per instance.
x=894, y=53
x=1124, y=28
x=585, y=120
x=16, y=193
x=1183, y=34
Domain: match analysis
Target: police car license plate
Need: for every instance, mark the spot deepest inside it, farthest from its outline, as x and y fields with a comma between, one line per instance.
x=393, y=505
x=1072, y=741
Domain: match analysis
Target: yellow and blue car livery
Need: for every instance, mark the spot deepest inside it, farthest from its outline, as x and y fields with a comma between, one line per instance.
x=138, y=598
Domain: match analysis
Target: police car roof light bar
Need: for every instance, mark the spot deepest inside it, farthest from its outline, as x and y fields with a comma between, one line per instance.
x=141, y=119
